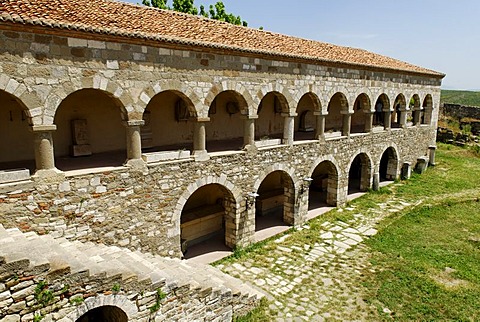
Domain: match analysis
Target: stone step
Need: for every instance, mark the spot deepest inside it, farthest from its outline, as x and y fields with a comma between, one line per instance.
x=30, y=249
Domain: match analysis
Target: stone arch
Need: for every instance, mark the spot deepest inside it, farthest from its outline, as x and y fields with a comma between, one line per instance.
x=283, y=94
x=334, y=91
x=360, y=170
x=194, y=186
x=305, y=123
x=167, y=121
x=361, y=109
x=338, y=106
x=399, y=111
x=415, y=109
x=276, y=167
x=276, y=190
x=427, y=109
x=123, y=100
x=247, y=106
x=381, y=109
x=30, y=102
x=16, y=137
x=388, y=163
x=96, y=116
x=324, y=187
x=120, y=302
x=184, y=91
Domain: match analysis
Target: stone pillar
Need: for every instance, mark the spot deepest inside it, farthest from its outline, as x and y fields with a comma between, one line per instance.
x=416, y=117
x=320, y=126
x=376, y=181
x=44, y=155
x=432, y=149
x=200, y=140
x=249, y=131
x=406, y=170
x=403, y=118
x=387, y=120
x=288, y=128
x=134, y=141
x=346, y=125
x=368, y=121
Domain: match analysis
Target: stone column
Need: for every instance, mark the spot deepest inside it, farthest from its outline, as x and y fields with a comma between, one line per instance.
x=387, y=120
x=432, y=150
x=249, y=131
x=320, y=126
x=403, y=118
x=416, y=117
x=346, y=124
x=288, y=128
x=200, y=140
x=44, y=155
x=376, y=181
x=368, y=121
x=134, y=139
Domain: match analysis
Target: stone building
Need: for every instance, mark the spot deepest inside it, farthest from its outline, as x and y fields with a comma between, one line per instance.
x=156, y=131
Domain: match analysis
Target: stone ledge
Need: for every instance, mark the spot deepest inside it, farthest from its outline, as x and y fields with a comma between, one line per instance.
x=153, y=157
x=14, y=175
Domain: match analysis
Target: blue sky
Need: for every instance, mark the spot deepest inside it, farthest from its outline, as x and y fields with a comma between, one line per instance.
x=443, y=35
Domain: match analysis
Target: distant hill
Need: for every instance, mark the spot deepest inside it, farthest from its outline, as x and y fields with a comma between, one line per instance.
x=469, y=98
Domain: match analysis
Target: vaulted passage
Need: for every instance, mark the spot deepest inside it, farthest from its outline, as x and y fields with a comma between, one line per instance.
x=269, y=124
x=337, y=107
x=89, y=131
x=305, y=122
x=275, y=202
x=361, y=118
x=16, y=139
x=359, y=174
x=168, y=123
x=207, y=220
x=324, y=186
x=388, y=165
x=225, y=129
x=104, y=314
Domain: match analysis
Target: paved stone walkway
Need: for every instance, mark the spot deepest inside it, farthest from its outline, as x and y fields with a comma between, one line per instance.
x=322, y=281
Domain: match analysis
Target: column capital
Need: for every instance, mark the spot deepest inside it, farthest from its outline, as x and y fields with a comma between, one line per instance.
x=288, y=114
x=132, y=123
x=346, y=112
x=44, y=128
x=202, y=119
x=319, y=113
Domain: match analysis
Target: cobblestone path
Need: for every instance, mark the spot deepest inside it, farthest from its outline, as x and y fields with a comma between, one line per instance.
x=322, y=281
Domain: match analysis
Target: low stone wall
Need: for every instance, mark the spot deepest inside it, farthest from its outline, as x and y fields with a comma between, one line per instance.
x=142, y=211
x=458, y=111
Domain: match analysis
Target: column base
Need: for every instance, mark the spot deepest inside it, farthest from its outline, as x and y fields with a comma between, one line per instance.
x=49, y=176
x=137, y=165
x=201, y=155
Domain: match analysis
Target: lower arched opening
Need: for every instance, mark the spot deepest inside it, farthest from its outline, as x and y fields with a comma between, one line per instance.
x=324, y=186
x=388, y=165
x=359, y=174
x=104, y=314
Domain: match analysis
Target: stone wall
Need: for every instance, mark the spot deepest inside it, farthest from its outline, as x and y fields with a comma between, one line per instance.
x=142, y=210
x=458, y=111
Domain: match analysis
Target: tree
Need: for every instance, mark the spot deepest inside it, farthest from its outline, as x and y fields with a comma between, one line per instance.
x=217, y=11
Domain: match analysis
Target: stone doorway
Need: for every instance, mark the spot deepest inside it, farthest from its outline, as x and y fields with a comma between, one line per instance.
x=359, y=174
x=207, y=221
x=104, y=314
x=388, y=165
x=323, y=189
x=274, y=206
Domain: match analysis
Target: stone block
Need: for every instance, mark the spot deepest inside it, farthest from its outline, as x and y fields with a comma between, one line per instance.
x=269, y=142
x=14, y=175
x=165, y=156
x=81, y=150
x=422, y=164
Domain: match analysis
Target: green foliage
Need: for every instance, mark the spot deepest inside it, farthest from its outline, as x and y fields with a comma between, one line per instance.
x=43, y=295
x=160, y=296
x=76, y=300
x=37, y=317
x=116, y=288
x=216, y=11
x=468, y=98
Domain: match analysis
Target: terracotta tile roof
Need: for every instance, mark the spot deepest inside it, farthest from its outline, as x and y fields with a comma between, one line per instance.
x=134, y=21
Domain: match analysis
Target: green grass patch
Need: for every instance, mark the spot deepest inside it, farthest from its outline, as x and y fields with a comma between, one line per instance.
x=469, y=98
x=429, y=263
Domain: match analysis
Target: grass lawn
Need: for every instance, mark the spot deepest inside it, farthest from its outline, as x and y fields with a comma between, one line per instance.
x=428, y=257
x=424, y=260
